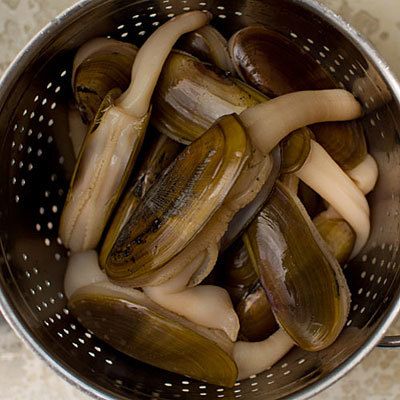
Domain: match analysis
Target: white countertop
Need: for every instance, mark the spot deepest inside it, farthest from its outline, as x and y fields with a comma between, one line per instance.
x=24, y=376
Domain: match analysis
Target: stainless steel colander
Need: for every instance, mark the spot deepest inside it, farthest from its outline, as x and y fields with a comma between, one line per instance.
x=36, y=163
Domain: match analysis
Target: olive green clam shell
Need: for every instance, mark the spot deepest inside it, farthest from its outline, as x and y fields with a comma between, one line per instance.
x=134, y=325
x=304, y=283
x=180, y=204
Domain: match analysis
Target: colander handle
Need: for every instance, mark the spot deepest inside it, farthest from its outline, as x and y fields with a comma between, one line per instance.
x=390, y=342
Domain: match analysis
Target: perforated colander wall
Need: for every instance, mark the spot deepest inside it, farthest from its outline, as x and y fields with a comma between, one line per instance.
x=36, y=163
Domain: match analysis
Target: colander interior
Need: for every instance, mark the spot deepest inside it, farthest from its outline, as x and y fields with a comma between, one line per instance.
x=36, y=163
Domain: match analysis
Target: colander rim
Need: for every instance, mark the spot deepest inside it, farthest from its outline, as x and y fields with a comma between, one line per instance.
x=14, y=319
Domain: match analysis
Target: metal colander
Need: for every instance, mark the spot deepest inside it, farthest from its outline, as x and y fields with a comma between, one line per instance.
x=36, y=163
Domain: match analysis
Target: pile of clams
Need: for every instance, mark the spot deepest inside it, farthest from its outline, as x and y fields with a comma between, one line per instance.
x=219, y=188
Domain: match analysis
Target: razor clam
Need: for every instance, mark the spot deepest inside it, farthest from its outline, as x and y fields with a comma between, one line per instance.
x=179, y=205
x=100, y=66
x=160, y=155
x=130, y=322
x=304, y=283
x=275, y=65
x=210, y=46
x=190, y=97
x=101, y=172
x=128, y=319
x=257, y=322
x=110, y=149
x=338, y=235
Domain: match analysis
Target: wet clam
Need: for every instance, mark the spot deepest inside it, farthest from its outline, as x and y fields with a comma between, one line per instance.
x=320, y=172
x=180, y=204
x=256, y=170
x=98, y=180
x=136, y=326
x=105, y=164
x=191, y=96
x=129, y=321
x=305, y=286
